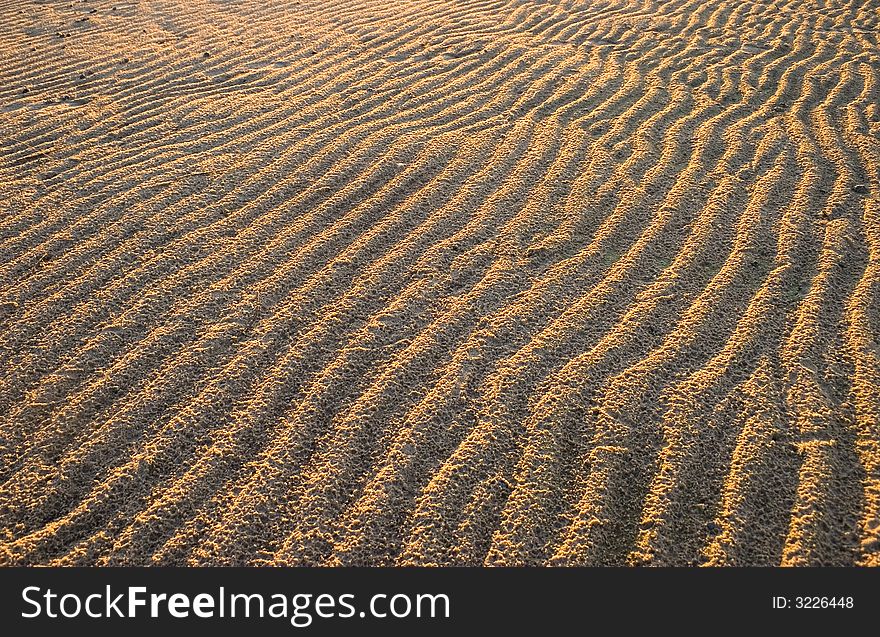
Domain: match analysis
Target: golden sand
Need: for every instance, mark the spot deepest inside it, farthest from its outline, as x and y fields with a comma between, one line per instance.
x=440, y=282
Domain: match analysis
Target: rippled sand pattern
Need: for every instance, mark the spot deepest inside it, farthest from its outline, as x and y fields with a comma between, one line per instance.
x=433, y=282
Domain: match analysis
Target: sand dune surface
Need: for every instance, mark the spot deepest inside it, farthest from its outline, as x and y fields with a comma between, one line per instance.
x=412, y=282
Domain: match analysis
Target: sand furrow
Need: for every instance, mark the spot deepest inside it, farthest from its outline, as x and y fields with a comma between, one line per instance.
x=460, y=282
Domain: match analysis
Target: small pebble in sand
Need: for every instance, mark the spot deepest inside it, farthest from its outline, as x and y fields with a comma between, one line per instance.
x=860, y=189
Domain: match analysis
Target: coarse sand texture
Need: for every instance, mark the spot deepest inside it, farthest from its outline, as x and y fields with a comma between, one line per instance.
x=440, y=282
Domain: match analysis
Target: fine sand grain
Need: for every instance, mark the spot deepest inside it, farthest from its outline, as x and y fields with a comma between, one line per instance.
x=440, y=282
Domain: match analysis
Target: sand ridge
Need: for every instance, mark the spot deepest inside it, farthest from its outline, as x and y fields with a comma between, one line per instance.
x=456, y=282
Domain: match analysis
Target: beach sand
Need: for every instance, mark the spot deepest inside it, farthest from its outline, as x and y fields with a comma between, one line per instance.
x=395, y=282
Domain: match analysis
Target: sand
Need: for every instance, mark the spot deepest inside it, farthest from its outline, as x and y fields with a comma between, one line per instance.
x=399, y=282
